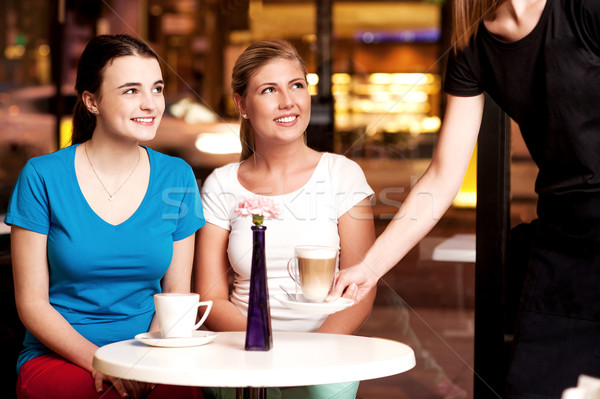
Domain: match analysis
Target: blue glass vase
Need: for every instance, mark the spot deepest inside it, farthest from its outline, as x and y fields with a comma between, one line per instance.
x=258, y=327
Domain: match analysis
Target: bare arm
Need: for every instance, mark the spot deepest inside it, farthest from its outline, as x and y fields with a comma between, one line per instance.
x=212, y=279
x=427, y=201
x=357, y=234
x=178, y=277
x=31, y=278
x=30, y=268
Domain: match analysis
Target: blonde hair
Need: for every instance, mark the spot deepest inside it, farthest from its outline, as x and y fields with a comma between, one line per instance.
x=467, y=15
x=248, y=63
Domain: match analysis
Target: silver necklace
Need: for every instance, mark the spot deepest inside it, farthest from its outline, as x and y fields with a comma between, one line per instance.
x=110, y=196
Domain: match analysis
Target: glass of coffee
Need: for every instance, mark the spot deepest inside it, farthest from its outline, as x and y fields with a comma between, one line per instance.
x=312, y=268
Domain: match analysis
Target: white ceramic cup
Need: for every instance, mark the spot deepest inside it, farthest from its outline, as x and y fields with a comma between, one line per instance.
x=176, y=313
x=313, y=268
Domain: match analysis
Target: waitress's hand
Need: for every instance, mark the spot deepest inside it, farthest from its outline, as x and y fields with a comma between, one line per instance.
x=354, y=283
x=125, y=388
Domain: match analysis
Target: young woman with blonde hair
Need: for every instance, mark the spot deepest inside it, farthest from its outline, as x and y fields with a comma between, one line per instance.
x=324, y=200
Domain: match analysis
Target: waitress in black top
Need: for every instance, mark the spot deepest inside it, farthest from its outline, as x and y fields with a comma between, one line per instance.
x=540, y=61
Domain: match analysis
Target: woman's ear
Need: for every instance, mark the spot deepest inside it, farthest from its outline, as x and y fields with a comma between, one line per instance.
x=239, y=103
x=90, y=102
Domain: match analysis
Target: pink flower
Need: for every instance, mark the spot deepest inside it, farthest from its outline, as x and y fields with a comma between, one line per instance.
x=259, y=207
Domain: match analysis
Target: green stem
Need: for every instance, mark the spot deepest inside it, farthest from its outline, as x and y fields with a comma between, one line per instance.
x=258, y=220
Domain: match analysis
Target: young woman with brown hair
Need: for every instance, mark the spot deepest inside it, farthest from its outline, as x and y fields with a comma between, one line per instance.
x=98, y=228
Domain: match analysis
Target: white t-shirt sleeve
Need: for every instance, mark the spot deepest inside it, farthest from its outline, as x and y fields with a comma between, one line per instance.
x=217, y=202
x=350, y=183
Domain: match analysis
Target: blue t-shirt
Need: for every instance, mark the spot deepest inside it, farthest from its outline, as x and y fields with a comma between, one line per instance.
x=102, y=276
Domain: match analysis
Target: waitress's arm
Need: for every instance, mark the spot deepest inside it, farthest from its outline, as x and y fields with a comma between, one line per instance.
x=427, y=201
x=357, y=234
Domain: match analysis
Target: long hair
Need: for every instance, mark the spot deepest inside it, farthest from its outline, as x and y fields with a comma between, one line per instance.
x=248, y=63
x=467, y=15
x=98, y=53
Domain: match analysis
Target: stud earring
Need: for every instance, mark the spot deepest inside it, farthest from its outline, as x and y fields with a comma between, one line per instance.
x=245, y=116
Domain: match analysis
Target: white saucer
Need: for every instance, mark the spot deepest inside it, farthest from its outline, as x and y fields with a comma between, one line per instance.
x=197, y=338
x=302, y=305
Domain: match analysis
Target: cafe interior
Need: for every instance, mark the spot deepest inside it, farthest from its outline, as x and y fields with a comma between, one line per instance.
x=376, y=75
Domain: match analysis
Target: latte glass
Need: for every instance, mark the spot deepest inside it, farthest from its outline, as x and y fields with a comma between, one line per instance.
x=313, y=268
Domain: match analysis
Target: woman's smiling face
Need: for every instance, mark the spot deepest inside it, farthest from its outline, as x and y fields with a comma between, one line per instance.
x=131, y=101
x=277, y=101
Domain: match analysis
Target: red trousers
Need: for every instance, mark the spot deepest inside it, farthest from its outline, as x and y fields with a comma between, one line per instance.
x=52, y=377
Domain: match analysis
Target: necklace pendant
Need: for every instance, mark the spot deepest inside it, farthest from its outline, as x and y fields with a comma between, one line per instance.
x=110, y=196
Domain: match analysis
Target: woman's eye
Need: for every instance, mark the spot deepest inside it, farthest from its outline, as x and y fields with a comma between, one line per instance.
x=158, y=89
x=268, y=90
x=298, y=85
x=129, y=91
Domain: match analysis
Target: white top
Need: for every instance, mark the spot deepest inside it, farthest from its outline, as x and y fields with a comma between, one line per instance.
x=296, y=359
x=309, y=216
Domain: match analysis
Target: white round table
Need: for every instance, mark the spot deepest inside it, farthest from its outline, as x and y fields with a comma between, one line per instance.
x=295, y=359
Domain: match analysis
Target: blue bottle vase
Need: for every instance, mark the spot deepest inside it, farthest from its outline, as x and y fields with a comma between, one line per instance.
x=258, y=327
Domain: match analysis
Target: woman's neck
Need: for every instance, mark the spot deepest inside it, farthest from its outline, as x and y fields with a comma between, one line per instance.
x=278, y=171
x=281, y=159
x=515, y=19
x=111, y=155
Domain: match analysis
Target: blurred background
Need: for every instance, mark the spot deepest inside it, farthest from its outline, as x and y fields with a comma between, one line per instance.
x=375, y=74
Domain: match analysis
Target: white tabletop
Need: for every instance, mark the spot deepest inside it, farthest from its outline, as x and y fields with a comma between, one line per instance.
x=458, y=248
x=295, y=359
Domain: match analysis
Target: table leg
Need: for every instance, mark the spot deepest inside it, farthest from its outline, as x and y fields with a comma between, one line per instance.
x=469, y=328
x=251, y=393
